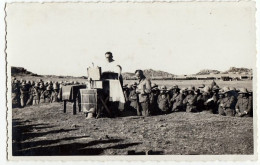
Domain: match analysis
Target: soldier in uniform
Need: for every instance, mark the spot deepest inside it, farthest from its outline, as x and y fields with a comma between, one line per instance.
x=143, y=90
x=163, y=100
x=36, y=95
x=244, y=106
x=228, y=103
x=15, y=94
x=153, y=99
x=55, y=94
x=30, y=97
x=221, y=96
x=24, y=94
x=190, y=100
x=41, y=91
x=177, y=100
x=46, y=95
x=133, y=99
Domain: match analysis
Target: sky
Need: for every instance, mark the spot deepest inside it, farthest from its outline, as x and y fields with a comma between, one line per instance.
x=179, y=38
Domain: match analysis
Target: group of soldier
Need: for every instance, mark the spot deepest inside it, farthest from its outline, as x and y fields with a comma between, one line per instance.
x=153, y=100
x=26, y=92
x=150, y=99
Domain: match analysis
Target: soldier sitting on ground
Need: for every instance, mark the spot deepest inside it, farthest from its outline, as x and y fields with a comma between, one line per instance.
x=221, y=97
x=177, y=100
x=190, y=100
x=244, y=104
x=163, y=100
x=228, y=103
x=153, y=99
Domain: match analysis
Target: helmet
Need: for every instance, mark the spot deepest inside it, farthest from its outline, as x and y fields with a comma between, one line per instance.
x=243, y=90
x=163, y=87
x=191, y=88
x=135, y=84
x=202, y=86
x=206, y=89
x=232, y=89
x=226, y=89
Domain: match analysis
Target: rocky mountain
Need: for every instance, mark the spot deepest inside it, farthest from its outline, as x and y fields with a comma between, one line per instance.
x=207, y=71
x=230, y=70
x=150, y=73
x=239, y=70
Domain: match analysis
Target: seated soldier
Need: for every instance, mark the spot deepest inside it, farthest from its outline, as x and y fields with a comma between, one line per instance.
x=244, y=104
x=153, y=99
x=190, y=100
x=177, y=100
x=164, y=100
x=228, y=103
x=221, y=96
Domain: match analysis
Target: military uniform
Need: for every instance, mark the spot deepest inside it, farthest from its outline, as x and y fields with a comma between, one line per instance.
x=164, y=103
x=24, y=94
x=228, y=105
x=54, y=96
x=190, y=101
x=143, y=90
x=177, y=101
x=15, y=95
x=153, y=101
x=46, y=95
x=244, y=106
x=36, y=96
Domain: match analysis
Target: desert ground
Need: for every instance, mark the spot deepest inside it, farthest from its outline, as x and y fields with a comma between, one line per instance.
x=45, y=130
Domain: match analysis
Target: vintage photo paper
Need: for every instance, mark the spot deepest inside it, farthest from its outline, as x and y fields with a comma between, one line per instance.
x=131, y=81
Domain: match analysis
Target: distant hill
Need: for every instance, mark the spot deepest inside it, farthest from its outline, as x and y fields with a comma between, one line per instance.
x=20, y=71
x=149, y=73
x=207, y=71
x=230, y=70
x=239, y=70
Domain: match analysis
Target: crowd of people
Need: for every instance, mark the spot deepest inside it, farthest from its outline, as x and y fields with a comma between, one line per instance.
x=146, y=98
x=26, y=92
x=150, y=99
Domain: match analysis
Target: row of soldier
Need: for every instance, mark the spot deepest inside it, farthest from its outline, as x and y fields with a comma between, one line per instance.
x=210, y=99
x=227, y=101
x=26, y=93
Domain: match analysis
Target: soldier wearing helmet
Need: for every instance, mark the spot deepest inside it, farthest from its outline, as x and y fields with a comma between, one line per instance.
x=244, y=105
x=153, y=99
x=228, y=103
x=35, y=95
x=55, y=94
x=163, y=100
x=221, y=97
x=177, y=100
x=133, y=99
x=24, y=94
x=190, y=100
x=46, y=95
x=143, y=90
x=15, y=94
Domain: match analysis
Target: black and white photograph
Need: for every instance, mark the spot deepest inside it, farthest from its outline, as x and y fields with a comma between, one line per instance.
x=131, y=80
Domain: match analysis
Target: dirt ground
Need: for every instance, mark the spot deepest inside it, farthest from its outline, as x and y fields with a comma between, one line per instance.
x=45, y=130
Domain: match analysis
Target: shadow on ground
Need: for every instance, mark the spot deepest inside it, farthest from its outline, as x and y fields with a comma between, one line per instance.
x=24, y=146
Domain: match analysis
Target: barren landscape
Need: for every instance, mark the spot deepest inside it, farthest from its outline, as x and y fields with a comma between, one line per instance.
x=45, y=130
